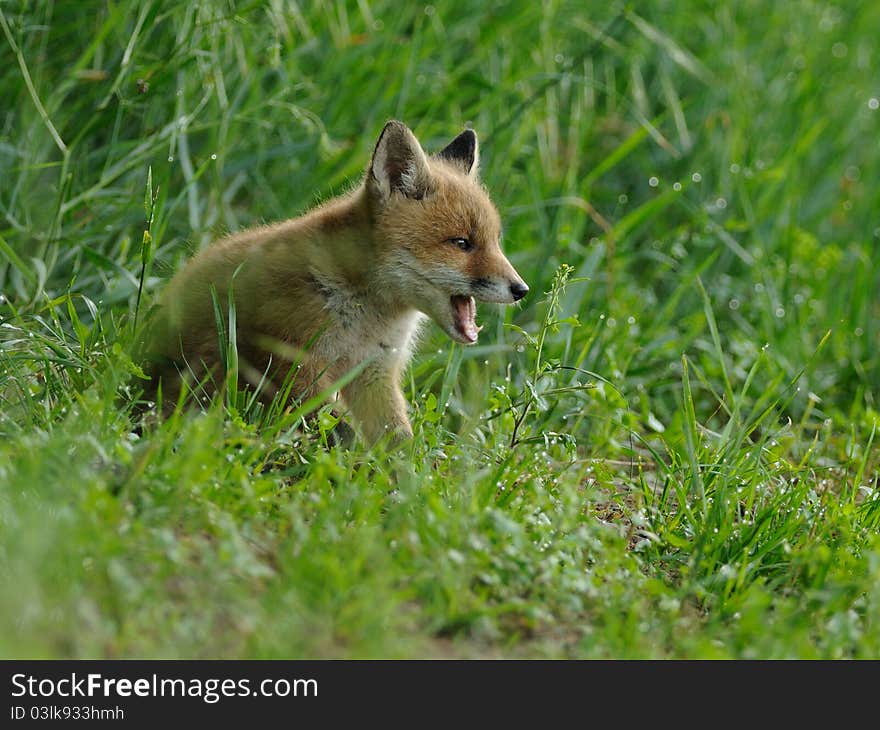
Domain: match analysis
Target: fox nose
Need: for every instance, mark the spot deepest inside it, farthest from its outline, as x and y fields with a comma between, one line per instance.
x=518, y=289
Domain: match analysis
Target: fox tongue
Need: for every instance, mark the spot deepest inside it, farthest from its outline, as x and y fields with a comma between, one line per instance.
x=465, y=311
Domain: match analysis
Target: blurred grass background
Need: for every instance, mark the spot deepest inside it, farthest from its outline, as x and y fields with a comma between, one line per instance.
x=684, y=467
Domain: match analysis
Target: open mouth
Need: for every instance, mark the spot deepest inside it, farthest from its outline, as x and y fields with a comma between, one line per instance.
x=464, y=313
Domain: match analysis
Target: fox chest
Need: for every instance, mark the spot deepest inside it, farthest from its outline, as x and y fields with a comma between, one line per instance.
x=356, y=329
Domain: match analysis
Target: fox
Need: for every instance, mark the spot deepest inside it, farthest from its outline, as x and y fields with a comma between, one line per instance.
x=346, y=287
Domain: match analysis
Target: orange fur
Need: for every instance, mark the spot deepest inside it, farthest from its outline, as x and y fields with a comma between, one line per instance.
x=355, y=275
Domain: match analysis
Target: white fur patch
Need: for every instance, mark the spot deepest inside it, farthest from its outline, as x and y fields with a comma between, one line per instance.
x=360, y=329
x=408, y=179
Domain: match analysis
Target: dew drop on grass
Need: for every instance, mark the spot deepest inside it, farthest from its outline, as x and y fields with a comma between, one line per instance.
x=653, y=181
x=676, y=186
x=721, y=203
x=858, y=331
x=170, y=158
x=214, y=156
x=733, y=304
x=734, y=169
x=623, y=198
x=696, y=177
x=780, y=312
x=520, y=348
x=873, y=103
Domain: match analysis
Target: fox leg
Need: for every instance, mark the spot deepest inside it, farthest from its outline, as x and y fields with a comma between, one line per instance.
x=376, y=401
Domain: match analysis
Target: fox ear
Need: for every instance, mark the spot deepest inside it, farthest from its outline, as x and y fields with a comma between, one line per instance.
x=399, y=163
x=463, y=151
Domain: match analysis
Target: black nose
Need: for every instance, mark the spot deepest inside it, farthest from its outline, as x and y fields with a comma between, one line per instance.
x=519, y=290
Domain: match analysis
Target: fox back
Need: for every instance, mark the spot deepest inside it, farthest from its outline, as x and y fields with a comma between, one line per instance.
x=345, y=286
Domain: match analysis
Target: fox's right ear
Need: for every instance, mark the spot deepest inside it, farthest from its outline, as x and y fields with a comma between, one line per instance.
x=399, y=163
x=463, y=152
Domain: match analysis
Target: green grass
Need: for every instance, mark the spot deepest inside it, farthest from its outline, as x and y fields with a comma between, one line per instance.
x=669, y=450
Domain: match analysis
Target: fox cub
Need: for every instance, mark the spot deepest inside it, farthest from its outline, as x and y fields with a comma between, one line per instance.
x=345, y=285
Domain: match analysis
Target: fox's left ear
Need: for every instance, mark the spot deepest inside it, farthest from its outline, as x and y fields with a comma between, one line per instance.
x=463, y=152
x=399, y=164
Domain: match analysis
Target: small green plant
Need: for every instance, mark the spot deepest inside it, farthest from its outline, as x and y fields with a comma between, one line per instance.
x=146, y=242
x=530, y=405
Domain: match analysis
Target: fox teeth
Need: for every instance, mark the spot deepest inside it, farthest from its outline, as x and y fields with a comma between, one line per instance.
x=464, y=312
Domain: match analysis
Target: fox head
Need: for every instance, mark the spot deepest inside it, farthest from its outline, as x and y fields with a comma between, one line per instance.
x=437, y=234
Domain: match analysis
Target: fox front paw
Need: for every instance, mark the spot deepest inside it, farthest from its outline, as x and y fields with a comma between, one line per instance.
x=399, y=434
x=391, y=434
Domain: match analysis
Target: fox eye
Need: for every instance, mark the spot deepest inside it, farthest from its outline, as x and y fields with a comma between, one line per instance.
x=463, y=243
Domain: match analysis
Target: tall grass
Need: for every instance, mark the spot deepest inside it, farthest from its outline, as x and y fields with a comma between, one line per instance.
x=667, y=450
